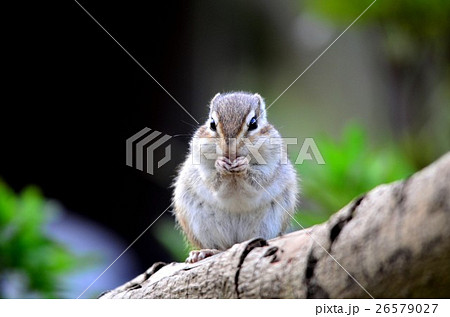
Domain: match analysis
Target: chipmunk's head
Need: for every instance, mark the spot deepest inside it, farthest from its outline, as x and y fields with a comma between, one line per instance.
x=235, y=121
x=236, y=114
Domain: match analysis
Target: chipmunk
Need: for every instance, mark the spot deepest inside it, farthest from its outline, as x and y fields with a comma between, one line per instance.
x=234, y=184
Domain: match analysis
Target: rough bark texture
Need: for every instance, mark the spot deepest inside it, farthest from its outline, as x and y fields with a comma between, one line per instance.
x=394, y=242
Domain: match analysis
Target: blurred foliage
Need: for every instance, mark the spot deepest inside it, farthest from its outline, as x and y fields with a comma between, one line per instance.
x=172, y=239
x=413, y=37
x=417, y=18
x=30, y=262
x=413, y=33
x=352, y=167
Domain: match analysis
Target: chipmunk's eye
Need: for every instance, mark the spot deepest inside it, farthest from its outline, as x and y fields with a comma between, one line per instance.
x=253, y=124
x=212, y=125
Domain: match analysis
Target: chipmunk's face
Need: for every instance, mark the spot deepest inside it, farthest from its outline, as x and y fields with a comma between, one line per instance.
x=236, y=119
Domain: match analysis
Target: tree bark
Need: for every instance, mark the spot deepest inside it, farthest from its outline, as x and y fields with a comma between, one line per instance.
x=393, y=242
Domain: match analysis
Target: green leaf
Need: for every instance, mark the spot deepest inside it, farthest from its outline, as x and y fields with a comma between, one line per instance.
x=172, y=239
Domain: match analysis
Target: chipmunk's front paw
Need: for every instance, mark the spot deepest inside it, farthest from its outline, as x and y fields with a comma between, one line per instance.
x=223, y=165
x=198, y=255
x=239, y=165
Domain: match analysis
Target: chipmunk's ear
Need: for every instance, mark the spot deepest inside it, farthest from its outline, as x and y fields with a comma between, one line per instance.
x=262, y=107
x=212, y=100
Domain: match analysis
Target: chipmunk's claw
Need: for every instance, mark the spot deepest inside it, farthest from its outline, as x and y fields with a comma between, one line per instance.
x=239, y=165
x=225, y=166
x=198, y=255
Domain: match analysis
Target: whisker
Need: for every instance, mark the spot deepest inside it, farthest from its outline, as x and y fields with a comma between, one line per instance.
x=190, y=124
x=181, y=135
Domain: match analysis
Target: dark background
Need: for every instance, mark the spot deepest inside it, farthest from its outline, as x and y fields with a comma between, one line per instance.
x=75, y=97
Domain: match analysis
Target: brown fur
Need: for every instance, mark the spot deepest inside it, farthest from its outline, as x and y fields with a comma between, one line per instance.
x=265, y=131
x=183, y=223
x=231, y=108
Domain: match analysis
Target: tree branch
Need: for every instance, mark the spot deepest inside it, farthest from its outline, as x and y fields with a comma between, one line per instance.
x=394, y=242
